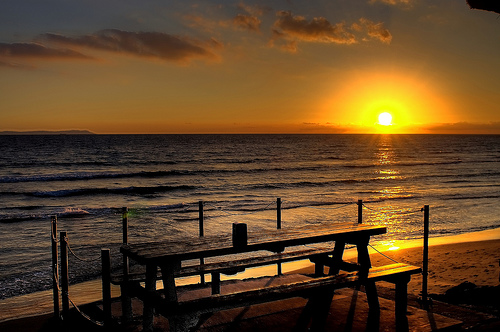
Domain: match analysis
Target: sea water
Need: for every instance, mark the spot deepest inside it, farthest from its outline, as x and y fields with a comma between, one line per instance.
x=85, y=180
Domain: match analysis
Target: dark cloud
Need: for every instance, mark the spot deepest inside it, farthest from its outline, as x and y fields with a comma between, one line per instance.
x=36, y=50
x=142, y=44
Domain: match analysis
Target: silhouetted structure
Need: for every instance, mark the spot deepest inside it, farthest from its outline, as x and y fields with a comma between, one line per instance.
x=489, y=5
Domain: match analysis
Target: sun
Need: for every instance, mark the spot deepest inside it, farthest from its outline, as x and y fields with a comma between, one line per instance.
x=385, y=119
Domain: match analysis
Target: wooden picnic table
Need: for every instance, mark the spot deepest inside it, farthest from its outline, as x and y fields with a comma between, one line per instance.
x=169, y=254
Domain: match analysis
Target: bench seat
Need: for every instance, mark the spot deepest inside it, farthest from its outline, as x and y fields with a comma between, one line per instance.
x=185, y=313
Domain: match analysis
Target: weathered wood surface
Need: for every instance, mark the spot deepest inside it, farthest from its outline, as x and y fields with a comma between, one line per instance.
x=233, y=266
x=305, y=288
x=272, y=240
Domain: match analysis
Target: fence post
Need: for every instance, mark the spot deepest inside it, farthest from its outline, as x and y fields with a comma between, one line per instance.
x=55, y=265
x=200, y=218
x=106, y=286
x=360, y=211
x=278, y=226
x=126, y=300
x=425, y=267
x=202, y=233
x=278, y=213
x=64, y=275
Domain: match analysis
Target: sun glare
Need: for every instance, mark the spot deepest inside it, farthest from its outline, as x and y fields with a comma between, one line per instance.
x=385, y=119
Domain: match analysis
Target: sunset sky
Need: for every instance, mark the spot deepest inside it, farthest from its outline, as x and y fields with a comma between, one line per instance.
x=329, y=66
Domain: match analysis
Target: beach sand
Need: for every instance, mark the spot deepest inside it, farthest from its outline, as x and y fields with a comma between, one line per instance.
x=472, y=257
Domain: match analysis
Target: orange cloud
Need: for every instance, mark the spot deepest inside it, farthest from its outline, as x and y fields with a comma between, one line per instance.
x=316, y=30
x=289, y=30
x=141, y=44
x=393, y=2
x=374, y=30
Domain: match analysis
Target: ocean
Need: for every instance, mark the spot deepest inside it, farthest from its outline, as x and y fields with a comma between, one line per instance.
x=85, y=180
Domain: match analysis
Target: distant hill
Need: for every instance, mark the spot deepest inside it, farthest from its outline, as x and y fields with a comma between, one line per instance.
x=47, y=132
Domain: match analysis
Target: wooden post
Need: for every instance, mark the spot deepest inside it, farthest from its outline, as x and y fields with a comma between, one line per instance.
x=125, y=224
x=126, y=267
x=200, y=218
x=278, y=213
x=360, y=211
x=55, y=266
x=125, y=298
x=106, y=286
x=278, y=226
x=64, y=275
x=202, y=233
x=425, y=267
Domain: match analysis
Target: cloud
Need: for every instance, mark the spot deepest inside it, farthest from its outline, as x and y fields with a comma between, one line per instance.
x=374, y=30
x=141, y=44
x=290, y=29
x=250, y=19
x=464, y=128
x=36, y=50
x=14, y=65
x=318, y=29
x=247, y=22
x=393, y=2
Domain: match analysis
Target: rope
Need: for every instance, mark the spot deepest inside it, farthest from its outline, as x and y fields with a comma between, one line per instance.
x=328, y=208
x=84, y=315
x=395, y=261
x=394, y=213
x=93, y=259
x=240, y=214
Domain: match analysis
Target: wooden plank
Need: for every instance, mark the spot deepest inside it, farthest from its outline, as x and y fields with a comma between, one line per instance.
x=228, y=267
x=271, y=240
x=304, y=288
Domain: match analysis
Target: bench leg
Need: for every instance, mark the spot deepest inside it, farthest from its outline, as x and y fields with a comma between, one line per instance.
x=319, y=269
x=321, y=308
x=401, y=297
x=215, y=283
x=150, y=287
x=372, y=297
x=126, y=303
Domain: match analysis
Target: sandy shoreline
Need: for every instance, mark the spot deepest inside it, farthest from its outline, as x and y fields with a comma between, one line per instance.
x=472, y=257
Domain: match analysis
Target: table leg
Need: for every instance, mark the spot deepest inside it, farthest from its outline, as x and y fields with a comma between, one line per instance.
x=150, y=287
x=338, y=253
x=167, y=274
x=363, y=255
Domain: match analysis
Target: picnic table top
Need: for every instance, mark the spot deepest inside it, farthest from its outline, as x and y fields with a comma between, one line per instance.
x=273, y=240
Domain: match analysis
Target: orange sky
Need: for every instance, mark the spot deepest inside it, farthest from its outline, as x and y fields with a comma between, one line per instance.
x=249, y=66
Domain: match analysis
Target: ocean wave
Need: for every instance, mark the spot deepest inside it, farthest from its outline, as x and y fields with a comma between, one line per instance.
x=113, y=191
x=90, y=176
x=405, y=164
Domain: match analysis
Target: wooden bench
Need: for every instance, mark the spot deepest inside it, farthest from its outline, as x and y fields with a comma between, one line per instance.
x=185, y=314
x=230, y=267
